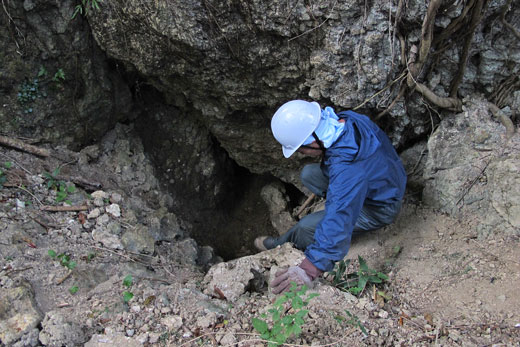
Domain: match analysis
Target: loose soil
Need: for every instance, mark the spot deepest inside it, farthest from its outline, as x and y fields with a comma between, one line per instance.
x=446, y=286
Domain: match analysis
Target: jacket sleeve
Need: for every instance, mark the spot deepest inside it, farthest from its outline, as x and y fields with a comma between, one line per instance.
x=345, y=196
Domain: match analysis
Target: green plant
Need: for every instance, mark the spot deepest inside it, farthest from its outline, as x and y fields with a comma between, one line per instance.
x=355, y=282
x=27, y=94
x=59, y=76
x=3, y=174
x=84, y=7
x=127, y=282
x=73, y=290
x=61, y=187
x=63, y=258
x=353, y=321
x=42, y=72
x=283, y=324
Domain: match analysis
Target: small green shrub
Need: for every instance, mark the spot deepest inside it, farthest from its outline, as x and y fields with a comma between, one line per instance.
x=352, y=320
x=127, y=282
x=84, y=7
x=63, y=258
x=3, y=174
x=284, y=325
x=355, y=282
x=61, y=187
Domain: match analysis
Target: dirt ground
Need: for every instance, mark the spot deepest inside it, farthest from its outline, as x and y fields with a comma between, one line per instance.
x=446, y=286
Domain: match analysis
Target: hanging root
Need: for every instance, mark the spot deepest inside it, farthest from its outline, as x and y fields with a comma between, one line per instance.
x=475, y=20
x=503, y=12
x=418, y=57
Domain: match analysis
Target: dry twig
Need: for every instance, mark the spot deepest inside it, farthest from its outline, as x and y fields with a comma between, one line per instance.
x=64, y=208
x=15, y=143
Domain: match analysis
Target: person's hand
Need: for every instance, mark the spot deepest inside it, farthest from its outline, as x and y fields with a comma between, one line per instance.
x=304, y=274
x=284, y=277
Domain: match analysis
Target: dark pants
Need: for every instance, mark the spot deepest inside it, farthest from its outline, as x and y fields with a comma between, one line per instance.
x=302, y=234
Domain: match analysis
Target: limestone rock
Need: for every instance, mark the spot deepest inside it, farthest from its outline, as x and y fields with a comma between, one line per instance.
x=116, y=339
x=472, y=168
x=275, y=197
x=19, y=314
x=138, y=240
x=57, y=331
x=253, y=272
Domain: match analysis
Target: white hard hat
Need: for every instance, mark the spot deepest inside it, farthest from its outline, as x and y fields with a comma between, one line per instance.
x=293, y=123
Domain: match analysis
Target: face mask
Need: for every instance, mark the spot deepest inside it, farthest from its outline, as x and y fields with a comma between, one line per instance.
x=328, y=129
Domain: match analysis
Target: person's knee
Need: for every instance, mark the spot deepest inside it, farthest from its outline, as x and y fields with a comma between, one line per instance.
x=306, y=174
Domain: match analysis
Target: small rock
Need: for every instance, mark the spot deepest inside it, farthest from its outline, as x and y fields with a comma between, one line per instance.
x=383, y=314
x=115, y=198
x=113, y=210
x=102, y=220
x=130, y=332
x=153, y=338
x=99, y=202
x=229, y=339
x=99, y=194
x=94, y=213
x=172, y=322
x=106, y=238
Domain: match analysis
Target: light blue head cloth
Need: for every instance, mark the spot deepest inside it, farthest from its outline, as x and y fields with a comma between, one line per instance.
x=329, y=128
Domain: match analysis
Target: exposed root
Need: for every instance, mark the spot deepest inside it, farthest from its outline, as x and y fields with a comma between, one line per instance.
x=475, y=20
x=399, y=96
x=453, y=104
x=503, y=12
x=510, y=127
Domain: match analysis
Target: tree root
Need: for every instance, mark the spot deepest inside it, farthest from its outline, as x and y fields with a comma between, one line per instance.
x=503, y=12
x=510, y=127
x=453, y=104
x=475, y=20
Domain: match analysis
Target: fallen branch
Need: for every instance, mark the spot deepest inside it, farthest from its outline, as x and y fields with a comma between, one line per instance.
x=64, y=208
x=61, y=280
x=305, y=204
x=15, y=143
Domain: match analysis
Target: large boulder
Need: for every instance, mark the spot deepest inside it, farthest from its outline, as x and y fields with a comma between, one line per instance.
x=473, y=168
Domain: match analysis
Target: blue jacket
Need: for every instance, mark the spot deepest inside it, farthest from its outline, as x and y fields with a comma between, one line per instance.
x=363, y=168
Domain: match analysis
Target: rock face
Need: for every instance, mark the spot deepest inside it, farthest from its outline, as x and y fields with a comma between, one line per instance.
x=56, y=84
x=235, y=62
x=473, y=168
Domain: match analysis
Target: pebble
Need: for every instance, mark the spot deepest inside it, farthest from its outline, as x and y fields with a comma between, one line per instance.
x=99, y=194
x=135, y=309
x=113, y=210
x=94, y=213
x=99, y=202
x=115, y=198
x=383, y=314
x=130, y=332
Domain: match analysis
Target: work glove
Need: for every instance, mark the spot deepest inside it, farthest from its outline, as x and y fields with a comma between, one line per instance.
x=304, y=274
